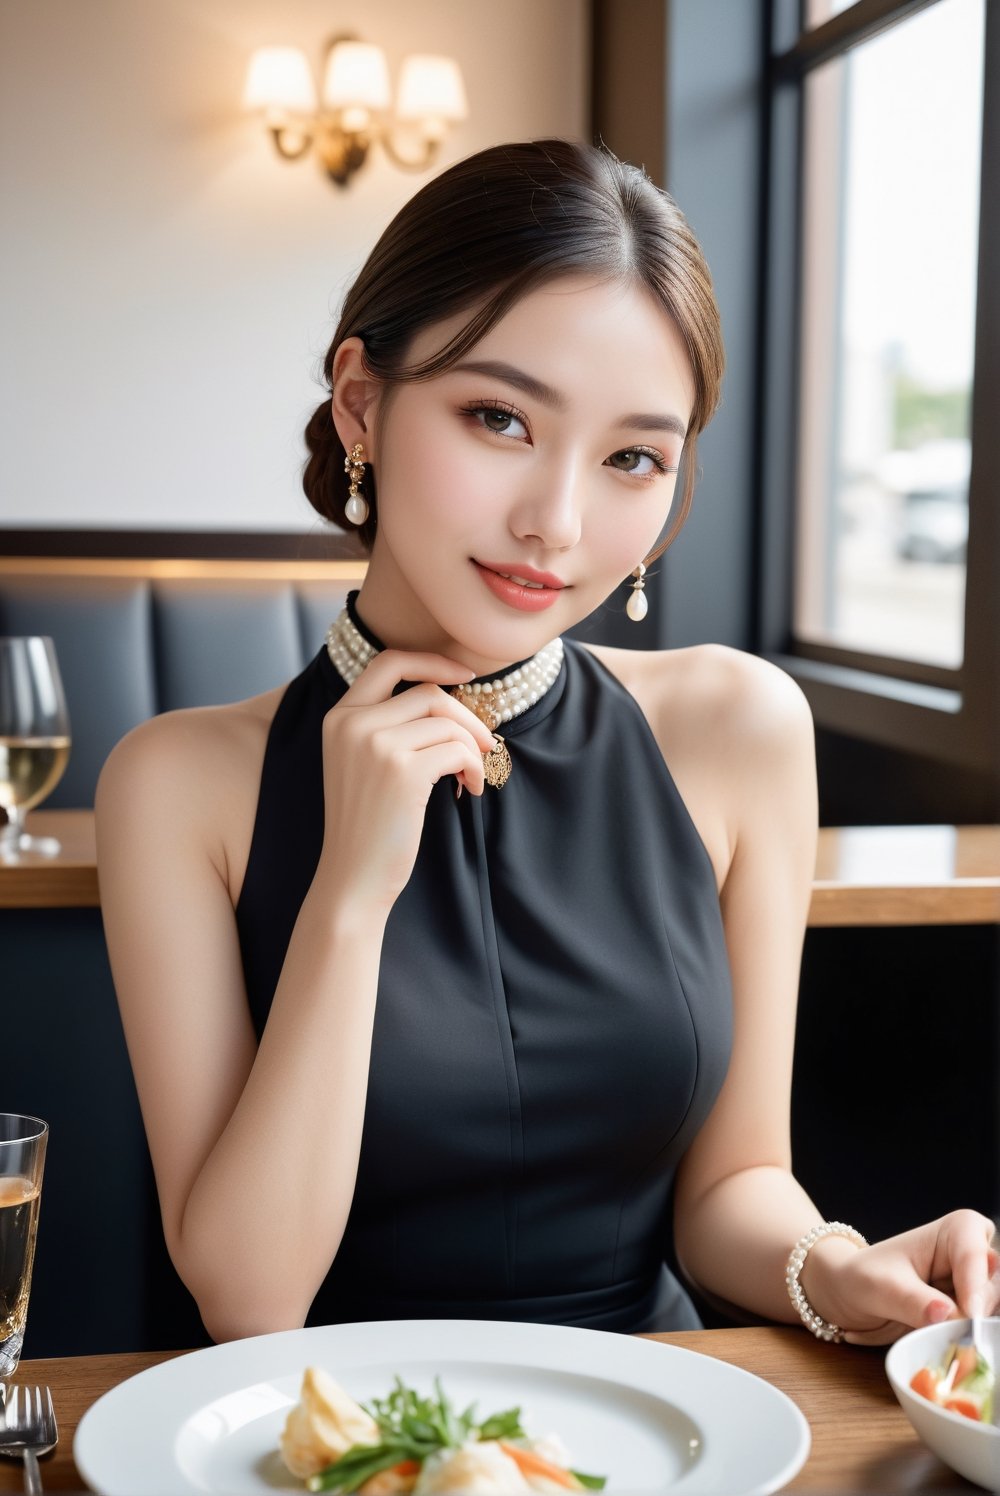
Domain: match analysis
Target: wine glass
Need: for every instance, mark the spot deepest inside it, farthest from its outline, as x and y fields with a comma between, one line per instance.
x=34, y=738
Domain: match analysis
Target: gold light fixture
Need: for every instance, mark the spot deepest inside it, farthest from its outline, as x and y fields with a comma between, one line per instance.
x=354, y=107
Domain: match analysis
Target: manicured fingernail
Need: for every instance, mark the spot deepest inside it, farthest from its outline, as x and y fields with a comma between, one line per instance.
x=937, y=1312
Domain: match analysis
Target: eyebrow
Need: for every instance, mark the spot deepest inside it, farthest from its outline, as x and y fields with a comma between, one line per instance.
x=546, y=395
x=651, y=422
x=510, y=374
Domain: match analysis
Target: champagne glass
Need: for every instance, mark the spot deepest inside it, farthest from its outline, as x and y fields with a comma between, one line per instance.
x=22, y=1159
x=34, y=738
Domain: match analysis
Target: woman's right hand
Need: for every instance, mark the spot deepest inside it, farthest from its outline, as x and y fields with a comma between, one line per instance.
x=382, y=756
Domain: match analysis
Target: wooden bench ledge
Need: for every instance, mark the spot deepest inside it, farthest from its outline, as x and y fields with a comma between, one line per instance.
x=865, y=875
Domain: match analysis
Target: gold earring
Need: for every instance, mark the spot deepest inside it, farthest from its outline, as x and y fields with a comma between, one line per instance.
x=356, y=508
x=638, y=605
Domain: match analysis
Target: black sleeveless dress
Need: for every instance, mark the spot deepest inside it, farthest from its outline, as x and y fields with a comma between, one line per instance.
x=552, y=1025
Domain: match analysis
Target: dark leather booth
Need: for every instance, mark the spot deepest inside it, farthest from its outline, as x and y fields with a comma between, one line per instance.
x=130, y=646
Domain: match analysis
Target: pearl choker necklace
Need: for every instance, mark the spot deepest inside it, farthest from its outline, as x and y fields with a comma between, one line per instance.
x=493, y=701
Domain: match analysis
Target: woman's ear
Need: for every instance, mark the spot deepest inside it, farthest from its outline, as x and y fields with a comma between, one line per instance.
x=355, y=395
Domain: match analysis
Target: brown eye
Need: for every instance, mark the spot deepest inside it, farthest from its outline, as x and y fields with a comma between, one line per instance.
x=642, y=462
x=498, y=420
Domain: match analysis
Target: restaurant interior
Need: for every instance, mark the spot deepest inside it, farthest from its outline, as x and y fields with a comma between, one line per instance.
x=175, y=254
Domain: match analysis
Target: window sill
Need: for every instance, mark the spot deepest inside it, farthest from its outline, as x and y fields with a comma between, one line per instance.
x=867, y=684
x=912, y=717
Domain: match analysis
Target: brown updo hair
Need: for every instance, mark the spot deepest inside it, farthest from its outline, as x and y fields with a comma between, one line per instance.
x=482, y=235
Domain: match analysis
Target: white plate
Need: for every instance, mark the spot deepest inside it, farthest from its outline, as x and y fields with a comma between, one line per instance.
x=649, y=1416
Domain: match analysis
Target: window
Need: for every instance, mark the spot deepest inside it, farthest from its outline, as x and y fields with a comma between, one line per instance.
x=880, y=336
x=891, y=135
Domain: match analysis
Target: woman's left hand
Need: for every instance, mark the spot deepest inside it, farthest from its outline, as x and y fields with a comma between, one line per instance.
x=947, y=1269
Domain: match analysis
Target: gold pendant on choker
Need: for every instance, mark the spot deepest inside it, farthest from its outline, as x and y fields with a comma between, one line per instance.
x=497, y=701
x=497, y=765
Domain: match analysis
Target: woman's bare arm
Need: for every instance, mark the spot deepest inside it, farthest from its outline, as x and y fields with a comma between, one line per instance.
x=255, y=1150
x=737, y=724
x=254, y=1155
x=739, y=1208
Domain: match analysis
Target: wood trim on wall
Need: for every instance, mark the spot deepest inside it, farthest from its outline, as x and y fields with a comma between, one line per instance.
x=215, y=545
x=187, y=568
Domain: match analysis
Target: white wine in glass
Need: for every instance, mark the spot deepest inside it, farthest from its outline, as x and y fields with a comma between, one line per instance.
x=34, y=738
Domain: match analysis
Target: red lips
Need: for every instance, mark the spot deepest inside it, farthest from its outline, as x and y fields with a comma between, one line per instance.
x=506, y=580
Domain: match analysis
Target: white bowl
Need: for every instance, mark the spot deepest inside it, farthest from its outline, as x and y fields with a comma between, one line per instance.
x=973, y=1449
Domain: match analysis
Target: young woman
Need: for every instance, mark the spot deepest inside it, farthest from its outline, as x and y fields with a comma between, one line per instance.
x=414, y=1041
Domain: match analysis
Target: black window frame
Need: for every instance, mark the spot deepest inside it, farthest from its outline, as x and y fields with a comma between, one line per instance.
x=950, y=715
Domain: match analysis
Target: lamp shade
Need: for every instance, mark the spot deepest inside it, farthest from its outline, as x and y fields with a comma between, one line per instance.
x=279, y=78
x=356, y=77
x=431, y=88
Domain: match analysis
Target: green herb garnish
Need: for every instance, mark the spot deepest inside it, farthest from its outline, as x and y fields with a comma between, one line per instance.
x=412, y=1427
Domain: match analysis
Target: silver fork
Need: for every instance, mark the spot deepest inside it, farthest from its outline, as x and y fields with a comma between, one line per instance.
x=976, y=1326
x=29, y=1429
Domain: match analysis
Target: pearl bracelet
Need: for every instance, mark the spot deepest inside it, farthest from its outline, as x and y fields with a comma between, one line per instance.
x=820, y=1327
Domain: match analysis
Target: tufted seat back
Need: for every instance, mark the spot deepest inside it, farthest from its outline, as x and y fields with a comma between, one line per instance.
x=134, y=639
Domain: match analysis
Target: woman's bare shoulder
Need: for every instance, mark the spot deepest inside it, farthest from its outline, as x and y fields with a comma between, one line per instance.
x=709, y=688
x=735, y=732
x=193, y=737
x=191, y=773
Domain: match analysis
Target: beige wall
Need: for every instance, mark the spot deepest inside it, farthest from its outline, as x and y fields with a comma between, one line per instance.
x=168, y=285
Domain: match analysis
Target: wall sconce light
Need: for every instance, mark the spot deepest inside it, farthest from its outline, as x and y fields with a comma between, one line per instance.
x=355, y=105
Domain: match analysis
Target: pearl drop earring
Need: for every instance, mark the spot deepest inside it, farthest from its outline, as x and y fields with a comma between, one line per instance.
x=356, y=508
x=638, y=606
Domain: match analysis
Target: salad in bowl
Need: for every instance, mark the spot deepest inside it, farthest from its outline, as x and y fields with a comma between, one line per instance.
x=948, y=1392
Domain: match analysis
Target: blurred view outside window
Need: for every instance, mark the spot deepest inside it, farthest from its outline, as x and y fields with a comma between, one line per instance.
x=891, y=210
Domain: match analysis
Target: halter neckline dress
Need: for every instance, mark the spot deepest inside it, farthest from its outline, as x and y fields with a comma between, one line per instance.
x=553, y=1019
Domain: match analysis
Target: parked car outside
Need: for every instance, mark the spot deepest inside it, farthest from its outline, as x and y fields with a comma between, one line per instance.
x=932, y=482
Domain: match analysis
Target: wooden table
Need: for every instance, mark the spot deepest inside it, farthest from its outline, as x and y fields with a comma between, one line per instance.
x=66, y=881
x=907, y=875
x=861, y=1440
x=865, y=875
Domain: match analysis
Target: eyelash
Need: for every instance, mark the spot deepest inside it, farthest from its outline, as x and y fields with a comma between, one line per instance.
x=500, y=406
x=657, y=460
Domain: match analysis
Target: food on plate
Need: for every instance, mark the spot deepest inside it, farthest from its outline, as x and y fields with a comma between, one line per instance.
x=405, y=1442
x=474, y=1467
x=963, y=1382
x=324, y=1424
